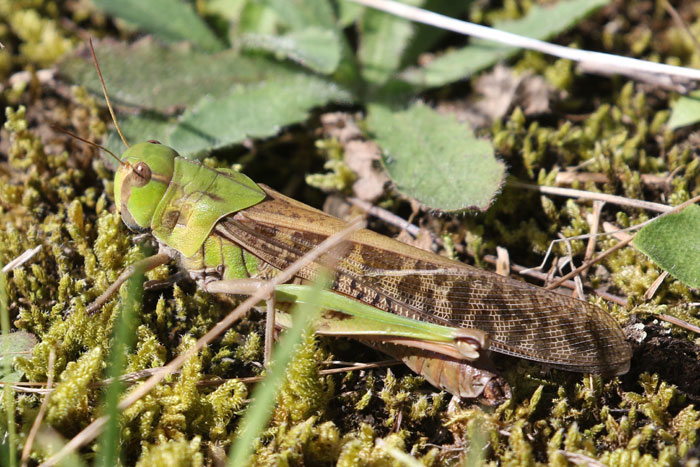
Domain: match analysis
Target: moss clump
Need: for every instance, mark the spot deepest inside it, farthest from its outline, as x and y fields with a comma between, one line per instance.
x=58, y=194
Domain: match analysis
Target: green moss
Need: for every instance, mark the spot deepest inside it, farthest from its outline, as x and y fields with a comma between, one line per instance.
x=305, y=392
x=43, y=42
x=172, y=452
x=59, y=196
x=340, y=177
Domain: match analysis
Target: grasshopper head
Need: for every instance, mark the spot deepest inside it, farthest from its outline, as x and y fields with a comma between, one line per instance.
x=141, y=181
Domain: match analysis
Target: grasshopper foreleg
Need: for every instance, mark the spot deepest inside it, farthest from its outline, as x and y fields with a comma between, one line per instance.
x=249, y=287
x=143, y=265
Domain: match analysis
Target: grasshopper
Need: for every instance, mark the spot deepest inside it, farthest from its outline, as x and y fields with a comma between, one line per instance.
x=441, y=317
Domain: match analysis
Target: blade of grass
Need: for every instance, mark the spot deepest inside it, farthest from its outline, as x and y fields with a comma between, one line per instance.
x=265, y=394
x=123, y=337
x=8, y=392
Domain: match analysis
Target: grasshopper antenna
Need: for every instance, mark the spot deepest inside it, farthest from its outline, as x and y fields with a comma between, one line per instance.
x=98, y=146
x=104, y=91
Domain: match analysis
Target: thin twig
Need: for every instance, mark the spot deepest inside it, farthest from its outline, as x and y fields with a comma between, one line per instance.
x=578, y=290
x=588, y=264
x=651, y=291
x=27, y=450
x=583, y=194
x=589, y=60
x=20, y=387
x=386, y=216
x=679, y=322
x=93, y=430
x=581, y=459
x=502, y=261
x=569, y=177
x=594, y=224
x=21, y=259
x=616, y=232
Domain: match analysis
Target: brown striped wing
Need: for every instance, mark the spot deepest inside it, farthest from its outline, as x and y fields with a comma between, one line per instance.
x=521, y=319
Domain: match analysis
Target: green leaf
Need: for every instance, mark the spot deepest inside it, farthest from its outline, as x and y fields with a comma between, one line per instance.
x=300, y=14
x=258, y=18
x=348, y=13
x=315, y=48
x=426, y=36
x=673, y=242
x=255, y=111
x=435, y=159
x=228, y=9
x=147, y=75
x=540, y=23
x=383, y=39
x=12, y=345
x=170, y=20
x=137, y=128
x=686, y=111
x=229, y=97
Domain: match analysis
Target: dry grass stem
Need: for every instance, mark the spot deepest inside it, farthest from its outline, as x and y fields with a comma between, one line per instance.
x=593, y=62
x=651, y=291
x=679, y=322
x=21, y=259
x=583, y=194
x=27, y=450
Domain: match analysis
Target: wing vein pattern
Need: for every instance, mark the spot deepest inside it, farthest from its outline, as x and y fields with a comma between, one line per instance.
x=521, y=319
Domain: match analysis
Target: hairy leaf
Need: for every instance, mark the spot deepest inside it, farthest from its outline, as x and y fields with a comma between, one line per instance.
x=435, y=159
x=300, y=14
x=149, y=76
x=315, y=48
x=251, y=111
x=673, y=243
x=383, y=39
x=170, y=20
x=686, y=111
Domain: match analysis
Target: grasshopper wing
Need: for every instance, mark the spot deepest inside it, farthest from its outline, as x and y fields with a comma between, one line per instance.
x=521, y=319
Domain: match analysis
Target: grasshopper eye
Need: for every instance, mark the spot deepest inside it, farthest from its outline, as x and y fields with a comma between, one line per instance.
x=143, y=174
x=154, y=141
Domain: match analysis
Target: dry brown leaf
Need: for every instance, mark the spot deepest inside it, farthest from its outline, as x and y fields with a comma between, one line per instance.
x=361, y=156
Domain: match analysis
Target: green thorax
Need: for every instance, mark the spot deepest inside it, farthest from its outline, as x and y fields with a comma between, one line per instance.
x=220, y=259
x=178, y=199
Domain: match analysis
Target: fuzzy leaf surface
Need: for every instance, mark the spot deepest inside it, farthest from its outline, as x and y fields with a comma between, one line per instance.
x=686, y=111
x=435, y=159
x=181, y=23
x=314, y=48
x=146, y=75
x=383, y=39
x=300, y=14
x=255, y=111
x=673, y=242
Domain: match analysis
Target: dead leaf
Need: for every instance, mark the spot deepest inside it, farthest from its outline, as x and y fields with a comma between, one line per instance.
x=501, y=91
x=360, y=155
